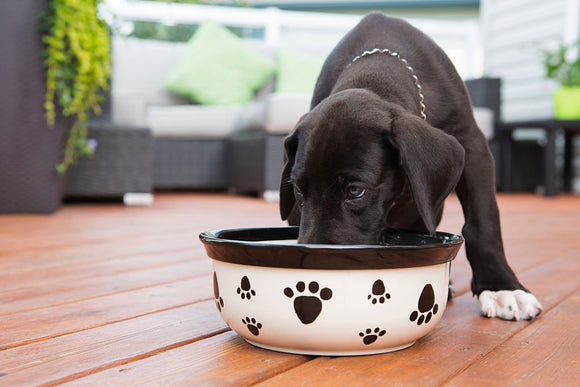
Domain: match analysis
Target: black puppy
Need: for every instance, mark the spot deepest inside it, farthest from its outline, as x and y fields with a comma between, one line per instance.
x=390, y=134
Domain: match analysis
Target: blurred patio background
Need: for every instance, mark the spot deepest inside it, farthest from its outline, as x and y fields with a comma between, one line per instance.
x=172, y=122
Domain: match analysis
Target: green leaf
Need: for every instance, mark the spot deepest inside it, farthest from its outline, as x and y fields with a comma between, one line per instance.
x=559, y=68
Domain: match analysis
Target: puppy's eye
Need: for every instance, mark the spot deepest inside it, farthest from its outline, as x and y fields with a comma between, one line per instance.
x=298, y=191
x=355, y=192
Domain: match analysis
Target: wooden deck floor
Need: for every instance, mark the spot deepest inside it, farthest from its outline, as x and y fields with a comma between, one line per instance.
x=110, y=295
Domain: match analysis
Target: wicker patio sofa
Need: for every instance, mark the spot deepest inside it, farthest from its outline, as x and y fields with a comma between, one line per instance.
x=192, y=142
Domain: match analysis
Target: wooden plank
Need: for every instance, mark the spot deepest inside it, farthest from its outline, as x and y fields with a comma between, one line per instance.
x=225, y=359
x=56, y=293
x=546, y=353
x=44, y=258
x=43, y=324
x=90, y=224
x=19, y=258
x=83, y=353
x=75, y=270
x=459, y=340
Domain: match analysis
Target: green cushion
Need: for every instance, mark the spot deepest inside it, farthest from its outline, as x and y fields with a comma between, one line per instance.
x=297, y=71
x=217, y=68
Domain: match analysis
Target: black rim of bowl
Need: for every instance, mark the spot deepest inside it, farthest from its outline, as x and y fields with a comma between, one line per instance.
x=249, y=246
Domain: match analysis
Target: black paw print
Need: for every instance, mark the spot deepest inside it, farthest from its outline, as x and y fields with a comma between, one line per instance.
x=379, y=293
x=308, y=308
x=426, y=305
x=369, y=336
x=245, y=290
x=219, y=302
x=253, y=326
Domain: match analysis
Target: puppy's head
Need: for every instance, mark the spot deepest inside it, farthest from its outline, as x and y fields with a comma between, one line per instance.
x=351, y=157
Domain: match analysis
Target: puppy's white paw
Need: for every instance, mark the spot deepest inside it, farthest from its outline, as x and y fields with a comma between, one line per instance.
x=509, y=304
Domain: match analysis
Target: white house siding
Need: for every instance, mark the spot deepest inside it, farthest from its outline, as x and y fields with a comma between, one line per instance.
x=514, y=31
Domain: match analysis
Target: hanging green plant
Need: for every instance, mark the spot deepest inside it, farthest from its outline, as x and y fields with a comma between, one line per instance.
x=78, y=68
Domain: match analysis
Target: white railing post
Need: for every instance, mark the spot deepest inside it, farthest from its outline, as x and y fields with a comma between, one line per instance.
x=273, y=26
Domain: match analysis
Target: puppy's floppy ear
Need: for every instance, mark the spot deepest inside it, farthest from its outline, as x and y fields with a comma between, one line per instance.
x=432, y=160
x=287, y=199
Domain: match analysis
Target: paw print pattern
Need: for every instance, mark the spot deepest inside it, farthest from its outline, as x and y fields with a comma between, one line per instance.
x=219, y=302
x=370, y=336
x=245, y=290
x=379, y=293
x=252, y=325
x=308, y=308
x=426, y=305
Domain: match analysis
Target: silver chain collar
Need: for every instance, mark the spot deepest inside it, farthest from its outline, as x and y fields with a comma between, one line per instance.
x=404, y=61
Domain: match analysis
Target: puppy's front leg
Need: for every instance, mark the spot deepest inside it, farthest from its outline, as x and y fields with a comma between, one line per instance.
x=499, y=292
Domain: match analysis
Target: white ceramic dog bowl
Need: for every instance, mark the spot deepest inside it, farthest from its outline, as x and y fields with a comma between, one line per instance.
x=330, y=299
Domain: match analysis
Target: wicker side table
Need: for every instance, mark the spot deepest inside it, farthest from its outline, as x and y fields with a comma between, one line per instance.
x=122, y=165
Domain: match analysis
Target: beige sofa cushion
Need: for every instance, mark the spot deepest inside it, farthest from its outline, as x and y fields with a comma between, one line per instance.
x=140, y=68
x=137, y=97
x=284, y=110
x=196, y=120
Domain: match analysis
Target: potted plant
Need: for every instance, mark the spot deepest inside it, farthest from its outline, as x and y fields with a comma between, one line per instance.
x=51, y=77
x=564, y=68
